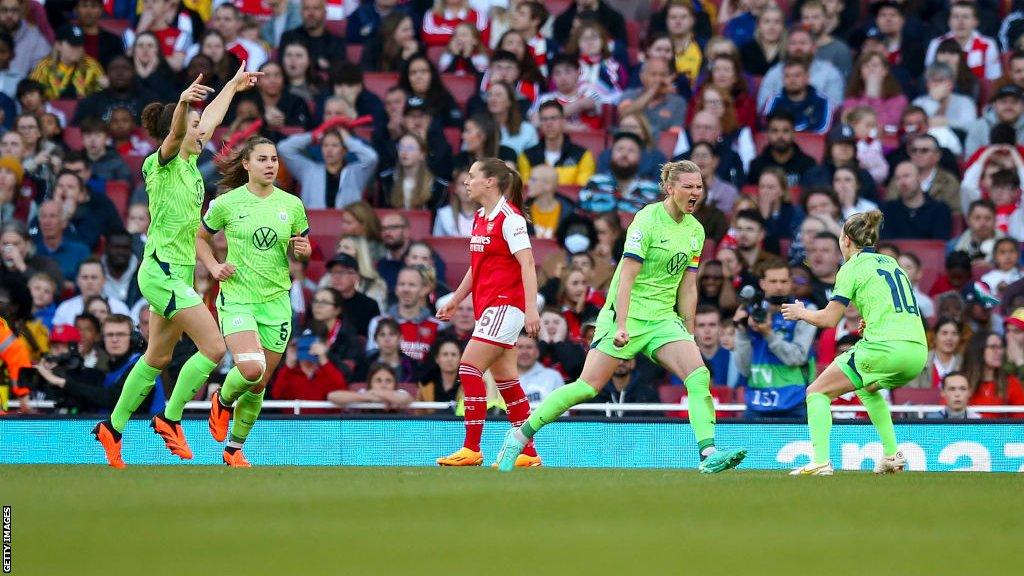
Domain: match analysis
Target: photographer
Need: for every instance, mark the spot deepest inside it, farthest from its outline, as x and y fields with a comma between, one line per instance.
x=84, y=390
x=773, y=353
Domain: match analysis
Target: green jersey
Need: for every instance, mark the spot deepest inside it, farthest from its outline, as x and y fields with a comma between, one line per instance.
x=176, y=194
x=883, y=294
x=258, y=232
x=666, y=249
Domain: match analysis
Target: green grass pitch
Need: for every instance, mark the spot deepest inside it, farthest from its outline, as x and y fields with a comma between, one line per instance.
x=150, y=521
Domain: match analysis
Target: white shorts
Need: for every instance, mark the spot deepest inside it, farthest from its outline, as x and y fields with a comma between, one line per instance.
x=500, y=326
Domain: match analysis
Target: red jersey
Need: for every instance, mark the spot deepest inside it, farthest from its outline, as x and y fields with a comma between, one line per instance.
x=258, y=9
x=982, y=55
x=293, y=384
x=987, y=394
x=439, y=28
x=497, y=278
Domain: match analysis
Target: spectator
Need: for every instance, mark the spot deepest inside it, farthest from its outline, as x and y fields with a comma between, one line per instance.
x=915, y=121
x=119, y=268
x=92, y=215
x=627, y=386
x=811, y=112
x=337, y=182
x=465, y=54
x=547, y=207
x=707, y=127
x=937, y=182
x=344, y=349
x=740, y=19
x=227, y=19
x=900, y=40
x=138, y=226
x=990, y=384
x=481, y=139
x=712, y=289
x=359, y=219
x=369, y=17
x=956, y=393
x=223, y=63
x=580, y=102
x=863, y=121
x=440, y=383
x=558, y=350
x=537, y=380
x=950, y=54
x=809, y=228
x=39, y=156
x=765, y=49
x=687, y=49
x=718, y=193
x=941, y=104
x=387, y=341
x=90, y=281
x=1007, y=108
x=982, y=52
x=612, y=19
x=358, y=308
x=979, y=240
x=824, y=258
x=456, y=217
x=782, y=219
x=944, y=357
x=656, y=97
x=813, y=17
x=419, y=77
x=89, y=326
x=873, y=84
x=299, y=76
x=100, y=44
x=16, y=201
x=8, y=78
x=774, y=354
x=847, y=187
x=30, y=47
x=726, y=74
x=393, y=44
x=781, y=151
x=410, y=185
x=69, y=72
x=43, y=289
x=957, y=276
x=572, y=295
x=516, y=133
x=1014, y=327
x=173, y=26
x=463, y=322
x=621, y=188
x=418, y=325
x=396, y=241
x=50, y=241
x=718, y=102
x=324, y=47
x=439, y=23
x=152, y=72
x=125, y=134
x=107, y=164
x=913, y=214
x=707, y=334
x=823, y=76
x=911, y=264
x=284, y=16
x=307, y=373
x=382, y=386
x=589, y=44
x=1005, y=256
x=350, y=97
x=750, y=232
x=574, y=164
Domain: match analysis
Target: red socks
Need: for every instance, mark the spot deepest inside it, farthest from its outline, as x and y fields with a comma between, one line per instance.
x=475, y=401
x=518, y=407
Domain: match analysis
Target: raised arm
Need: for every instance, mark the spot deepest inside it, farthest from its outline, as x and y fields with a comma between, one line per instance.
x=215, y=111
x=195, y=92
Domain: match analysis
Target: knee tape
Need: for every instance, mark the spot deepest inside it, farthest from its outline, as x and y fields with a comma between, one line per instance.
x=257, y=357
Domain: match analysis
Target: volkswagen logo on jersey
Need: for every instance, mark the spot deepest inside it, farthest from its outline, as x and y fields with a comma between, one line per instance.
x=264, y=238
x=677, y=263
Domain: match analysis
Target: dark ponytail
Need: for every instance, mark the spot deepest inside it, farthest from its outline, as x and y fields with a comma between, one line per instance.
x=234, y=173
x=156, y=119
x=509, y=182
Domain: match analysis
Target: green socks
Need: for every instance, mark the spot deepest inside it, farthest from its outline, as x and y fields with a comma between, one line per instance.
x=555, y=405
x=246, y=411
x=136, y=387
x=193, y=374
x=880, y=416
x=819, y=420
x=234, y=385
x=701, y=407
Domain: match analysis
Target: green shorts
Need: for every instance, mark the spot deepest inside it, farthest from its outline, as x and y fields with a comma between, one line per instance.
x=887, y=364
x=167, y=287
x=272, y=320
x=645, y=336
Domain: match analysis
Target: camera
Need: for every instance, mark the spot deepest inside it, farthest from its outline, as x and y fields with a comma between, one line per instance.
x=754, y=301
x=67, y=362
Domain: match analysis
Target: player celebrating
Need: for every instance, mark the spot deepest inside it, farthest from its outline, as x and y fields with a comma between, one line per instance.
x=264, y=226
x=176, y=191
x=503, y=281
x=655, y=300
x=892, y=352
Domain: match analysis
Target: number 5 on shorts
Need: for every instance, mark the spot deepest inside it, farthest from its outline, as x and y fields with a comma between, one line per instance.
x=284, y=331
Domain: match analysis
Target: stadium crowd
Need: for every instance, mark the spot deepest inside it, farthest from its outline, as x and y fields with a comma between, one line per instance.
x=799, y=114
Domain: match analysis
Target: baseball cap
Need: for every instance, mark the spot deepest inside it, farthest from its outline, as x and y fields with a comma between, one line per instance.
x=415, y=104
x=64, y=333
x=71, y=34
x=979, y=293
x=1017, y=318
x=345, y=260
x=841, y=133
x=1010, y=90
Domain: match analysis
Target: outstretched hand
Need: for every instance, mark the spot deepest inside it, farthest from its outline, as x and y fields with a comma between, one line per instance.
x=793, y=311
x=244, y=80
x=196, y=92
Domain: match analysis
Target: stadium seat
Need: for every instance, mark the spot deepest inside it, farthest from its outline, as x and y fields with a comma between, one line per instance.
x=323, y=221
x=670, y=394
x=667, y=143
x=454, y=137
x=66, y=106
x=409, y=387
x=380, y=82
x=932, y=254
x=462, y=87
x=325, y=242
x=979, y=268
x=596, y=141
x=115, y=25
x=337, y=27
x=633, y=33
x=812, y=144
x=73, y=137
x=420, y=221
x=556, y=7
x=570, y=191
x=291, y=130
x=916, y=396
x=625, y=218
x=316, y=269
x=434, y=55
x=354, y=53
x=135, y=166
x=120, y=193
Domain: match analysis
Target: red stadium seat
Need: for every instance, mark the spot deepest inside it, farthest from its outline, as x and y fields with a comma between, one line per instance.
x=669, y=394
x=932, y=254
x=354, y=53
x=316, y=269
x=916, y=396
x=120, y=193
x=337, y=27
x=667, y=143
x=135, y=166
x=625, y=218
x=556, y=7
x=454, y=137
x=73, y=137
x=812, y=144
x=596, y=141
x=979, y=268
x=324, y=221
x=434, y=54
x=412, y=389
x=325, y=242
x=420, y=221
x=67, y=107
x=115, y=25
x=570, y=191
x=291, y=130
x=380, y=82
x=462, y=87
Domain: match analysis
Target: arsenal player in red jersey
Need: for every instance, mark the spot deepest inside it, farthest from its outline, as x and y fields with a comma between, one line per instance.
x=503, y=281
